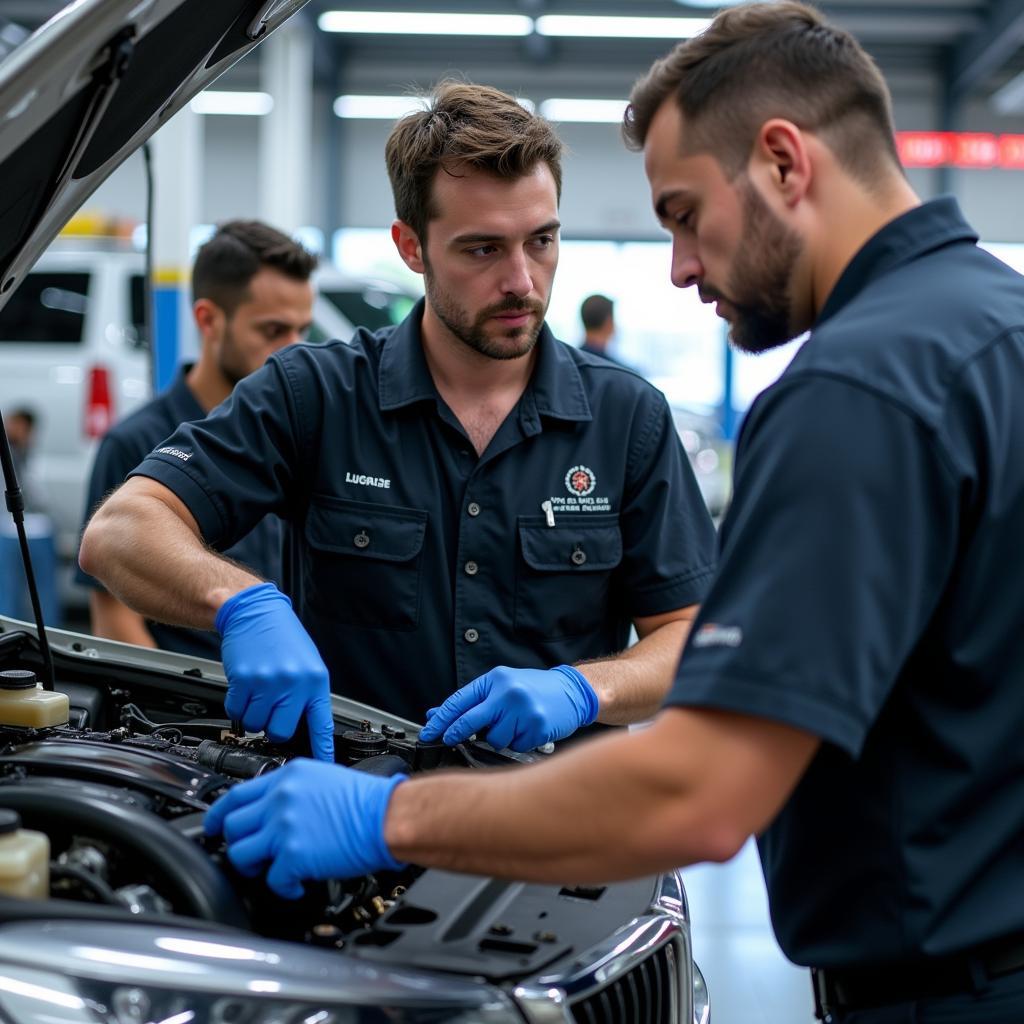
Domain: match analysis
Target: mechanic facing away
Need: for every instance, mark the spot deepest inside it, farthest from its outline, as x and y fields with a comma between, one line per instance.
x=852, y=692
x=463, y=493
x=251, y=296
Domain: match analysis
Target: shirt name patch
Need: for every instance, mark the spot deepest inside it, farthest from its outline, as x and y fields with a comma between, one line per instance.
x=176, y=452
x=712, y=635
x=368, y=481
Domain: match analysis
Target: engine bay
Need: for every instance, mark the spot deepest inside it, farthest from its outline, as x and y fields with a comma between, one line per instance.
x=122, y=788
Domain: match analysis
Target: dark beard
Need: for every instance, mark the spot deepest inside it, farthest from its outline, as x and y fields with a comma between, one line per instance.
x=519, y=341
x=761, y=279
x=232, y=372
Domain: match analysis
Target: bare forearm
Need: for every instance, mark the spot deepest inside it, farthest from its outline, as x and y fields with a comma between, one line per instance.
x=632, y=812
x=149, y=559
x=113, y=620
x=631, y=686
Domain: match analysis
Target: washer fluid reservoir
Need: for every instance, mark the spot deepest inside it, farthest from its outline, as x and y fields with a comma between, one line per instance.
x=24, y=859
x=23, y=701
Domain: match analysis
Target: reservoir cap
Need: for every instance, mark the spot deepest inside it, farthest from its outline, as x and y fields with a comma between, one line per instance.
x=10, y=821
x=17, y=679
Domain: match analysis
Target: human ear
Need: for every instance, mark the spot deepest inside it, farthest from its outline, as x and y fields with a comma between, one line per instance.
x=407, y=243
x=781, y=149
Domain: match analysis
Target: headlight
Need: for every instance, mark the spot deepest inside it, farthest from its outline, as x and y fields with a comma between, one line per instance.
x=131, y=974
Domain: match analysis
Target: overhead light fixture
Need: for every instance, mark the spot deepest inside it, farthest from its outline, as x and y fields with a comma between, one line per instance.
x=390, y=108
x=584, y=111
x=410, y=23
x=711, y=3
x=612, y=27
x=252, y=104
x=384, y=108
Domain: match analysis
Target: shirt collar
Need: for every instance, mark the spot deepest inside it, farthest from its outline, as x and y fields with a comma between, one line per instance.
x=182, y=403
x=929, y=226
x=555, y=389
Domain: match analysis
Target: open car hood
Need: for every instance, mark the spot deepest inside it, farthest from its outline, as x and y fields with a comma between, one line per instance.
x=89, y=87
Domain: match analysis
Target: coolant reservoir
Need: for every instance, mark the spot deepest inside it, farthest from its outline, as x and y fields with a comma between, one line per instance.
x=24, y=702
x=24, y=859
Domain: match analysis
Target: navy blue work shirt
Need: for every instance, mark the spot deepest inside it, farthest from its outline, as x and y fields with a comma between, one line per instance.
x=123, y=447
x=869, y=593
x=417, y=566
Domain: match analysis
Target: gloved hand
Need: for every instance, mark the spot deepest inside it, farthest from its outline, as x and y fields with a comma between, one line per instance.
x=520, y=708
x=306, y=820
x=275, y=673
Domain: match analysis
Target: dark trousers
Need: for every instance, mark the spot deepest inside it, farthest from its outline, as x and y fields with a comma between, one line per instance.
x=1000, y=1001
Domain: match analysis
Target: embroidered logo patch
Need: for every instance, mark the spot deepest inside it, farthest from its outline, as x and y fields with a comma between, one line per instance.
x=711, y=634
x=580, y=481
x=176, y=452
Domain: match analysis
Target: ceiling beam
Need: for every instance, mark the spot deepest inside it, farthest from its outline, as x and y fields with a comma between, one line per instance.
x=984, y=53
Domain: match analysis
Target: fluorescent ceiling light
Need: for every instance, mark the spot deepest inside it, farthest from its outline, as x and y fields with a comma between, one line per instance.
x=387, y=108
x=390, y=108
x=591, y=111
x=251, y=103
x=410, y=23
x=610, y=27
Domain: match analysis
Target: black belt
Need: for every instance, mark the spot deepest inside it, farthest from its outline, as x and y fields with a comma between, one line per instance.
x=863, y=987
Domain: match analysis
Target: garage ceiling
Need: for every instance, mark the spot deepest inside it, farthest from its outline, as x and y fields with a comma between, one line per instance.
x=957, y=48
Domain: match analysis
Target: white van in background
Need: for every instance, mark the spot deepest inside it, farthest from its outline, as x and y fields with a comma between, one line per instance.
x=73, y=351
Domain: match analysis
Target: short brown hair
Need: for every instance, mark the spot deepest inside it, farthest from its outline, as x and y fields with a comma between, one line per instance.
x=465, y=125
x=765, y=60
x=235, y=254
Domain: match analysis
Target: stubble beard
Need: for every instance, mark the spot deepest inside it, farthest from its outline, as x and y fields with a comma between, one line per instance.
x=511, y=343
x=761, y=279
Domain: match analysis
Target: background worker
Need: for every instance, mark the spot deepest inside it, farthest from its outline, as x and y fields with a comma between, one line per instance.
x=20, y=425
x=597, y=312
x=251, y=296
x=853, y=690
x=468, y=499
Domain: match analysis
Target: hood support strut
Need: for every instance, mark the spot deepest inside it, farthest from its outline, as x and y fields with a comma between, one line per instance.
x=105, y=81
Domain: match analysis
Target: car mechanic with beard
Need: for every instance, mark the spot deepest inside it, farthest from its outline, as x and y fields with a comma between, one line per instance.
x=852, y=692
x=468, y=499
x=251, y=296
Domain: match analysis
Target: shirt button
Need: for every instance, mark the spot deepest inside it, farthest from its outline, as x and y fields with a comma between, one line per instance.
x=361, y=539
x=471, y=636
x=578, y=557
x=473, y=509
x=472, y=568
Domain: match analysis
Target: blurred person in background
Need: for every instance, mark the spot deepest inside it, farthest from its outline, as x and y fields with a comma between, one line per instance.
x=598, y=315
x=252, y=296
x=21, y=427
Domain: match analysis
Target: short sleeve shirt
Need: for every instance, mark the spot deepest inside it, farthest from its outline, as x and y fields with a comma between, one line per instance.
x=123, y=447
x=869, y=593
x=417, y=565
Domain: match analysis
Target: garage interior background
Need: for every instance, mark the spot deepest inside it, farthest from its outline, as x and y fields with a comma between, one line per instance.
x=289, y=135
x=313, y=158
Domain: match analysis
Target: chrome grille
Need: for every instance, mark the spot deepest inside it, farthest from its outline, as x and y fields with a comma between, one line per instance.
x=646, y=994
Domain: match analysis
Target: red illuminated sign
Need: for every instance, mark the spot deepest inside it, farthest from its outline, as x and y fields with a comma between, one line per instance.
x=960, y=149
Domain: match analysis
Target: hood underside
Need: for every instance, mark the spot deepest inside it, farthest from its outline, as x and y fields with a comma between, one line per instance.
x=90, y=87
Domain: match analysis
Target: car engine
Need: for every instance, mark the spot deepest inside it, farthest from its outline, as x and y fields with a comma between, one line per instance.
x=121, y=791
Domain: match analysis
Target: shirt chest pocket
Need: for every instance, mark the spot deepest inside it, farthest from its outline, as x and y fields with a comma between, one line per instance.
x=364, y=562
x=564, y=574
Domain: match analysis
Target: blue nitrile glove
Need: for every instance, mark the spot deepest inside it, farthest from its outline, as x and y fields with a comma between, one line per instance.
x=520, y=708
x=275, y=673
x=307, y=820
